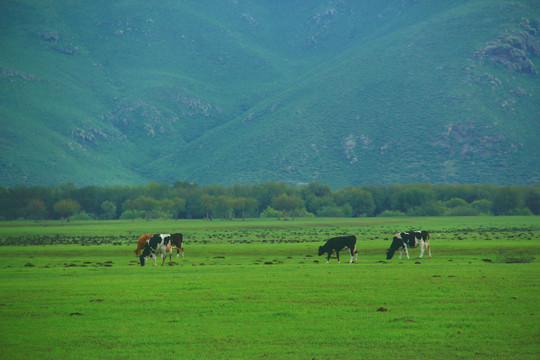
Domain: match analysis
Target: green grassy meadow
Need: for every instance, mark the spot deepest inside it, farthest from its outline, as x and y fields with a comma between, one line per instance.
x=257, y=289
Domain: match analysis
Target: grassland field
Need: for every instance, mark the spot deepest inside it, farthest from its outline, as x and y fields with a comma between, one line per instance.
x=256, y=289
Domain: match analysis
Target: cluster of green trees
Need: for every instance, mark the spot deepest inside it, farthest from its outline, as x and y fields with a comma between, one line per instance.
x=190, y=201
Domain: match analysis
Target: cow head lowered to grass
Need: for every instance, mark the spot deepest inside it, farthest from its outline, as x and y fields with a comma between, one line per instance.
x=337, y=244
x=141, y=243
x=157, y=243
x=397, y=244
x=411, y=239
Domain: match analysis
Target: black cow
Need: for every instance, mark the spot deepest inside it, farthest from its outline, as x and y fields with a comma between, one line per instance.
x=405, y=240
x=338, y=244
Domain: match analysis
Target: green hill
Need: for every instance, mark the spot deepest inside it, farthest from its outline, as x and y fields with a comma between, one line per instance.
x=337, y=92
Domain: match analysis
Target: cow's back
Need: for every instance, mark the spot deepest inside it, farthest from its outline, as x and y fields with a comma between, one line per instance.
x=154, y=241
x=338, y=243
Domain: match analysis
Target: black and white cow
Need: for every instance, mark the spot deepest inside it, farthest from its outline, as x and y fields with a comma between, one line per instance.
x=405, y=240
x=338, y=244
x=158, y=243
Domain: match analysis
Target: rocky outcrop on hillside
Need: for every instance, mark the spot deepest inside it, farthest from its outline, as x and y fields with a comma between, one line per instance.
x=17, y=74
x=134, y=116
x=353, y=146
x=469, y=140
x=513, y=50
x=89, y=134
x=92, y=136
x=149, y=119
x=54, y=42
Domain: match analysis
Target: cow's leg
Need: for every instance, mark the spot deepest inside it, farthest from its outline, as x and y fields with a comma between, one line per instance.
x=401, y=250
x=428, y=249
x=163, y=256
x=328, y=258
x=337, y=255
x=352, y=252
x=155, y=259
x=421, y=248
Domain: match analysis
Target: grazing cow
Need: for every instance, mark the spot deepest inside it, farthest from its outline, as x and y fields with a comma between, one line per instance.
x=413, y=239
x=158, y=243
x=338, y=244
x=141, y=243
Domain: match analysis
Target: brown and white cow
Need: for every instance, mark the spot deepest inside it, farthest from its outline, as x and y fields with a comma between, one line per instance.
x=141, y=243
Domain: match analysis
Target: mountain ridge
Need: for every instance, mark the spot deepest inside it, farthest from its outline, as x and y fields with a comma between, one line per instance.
x=334, y=92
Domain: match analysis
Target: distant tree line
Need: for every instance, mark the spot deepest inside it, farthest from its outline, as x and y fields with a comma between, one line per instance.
x=184, y=200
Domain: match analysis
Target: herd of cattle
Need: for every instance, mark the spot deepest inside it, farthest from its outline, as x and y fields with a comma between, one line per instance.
x=152, y=244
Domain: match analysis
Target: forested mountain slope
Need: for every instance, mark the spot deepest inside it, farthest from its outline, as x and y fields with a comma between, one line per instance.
x=338, y=92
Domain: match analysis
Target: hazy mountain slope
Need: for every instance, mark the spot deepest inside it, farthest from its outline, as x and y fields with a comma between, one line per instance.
x=339, y=92
x=403, y=107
